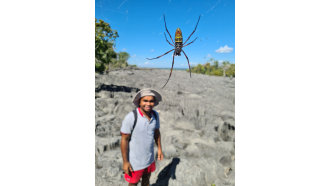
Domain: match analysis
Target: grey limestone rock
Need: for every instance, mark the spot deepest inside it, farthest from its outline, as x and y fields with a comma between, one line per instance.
x=197, y=117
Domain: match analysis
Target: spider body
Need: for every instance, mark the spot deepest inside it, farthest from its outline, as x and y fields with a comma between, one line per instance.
x=178, y=45
x=178, y=42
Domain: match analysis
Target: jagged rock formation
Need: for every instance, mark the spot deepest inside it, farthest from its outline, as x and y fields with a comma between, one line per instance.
x=197, y=118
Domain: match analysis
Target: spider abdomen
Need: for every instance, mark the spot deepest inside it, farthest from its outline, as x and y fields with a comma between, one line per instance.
x=178, y=48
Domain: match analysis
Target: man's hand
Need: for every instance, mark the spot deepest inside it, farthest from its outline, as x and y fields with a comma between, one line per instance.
x=124, y=152
x=127, y=168
x=158, y=143
x=160, y=154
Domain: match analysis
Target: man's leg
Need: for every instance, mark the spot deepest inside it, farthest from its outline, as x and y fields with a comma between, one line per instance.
x=145, y=179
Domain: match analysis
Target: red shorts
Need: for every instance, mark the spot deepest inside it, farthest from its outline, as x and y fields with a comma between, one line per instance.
x=136, y=175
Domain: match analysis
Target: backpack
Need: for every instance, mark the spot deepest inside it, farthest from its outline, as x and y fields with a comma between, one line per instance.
x=135, y=120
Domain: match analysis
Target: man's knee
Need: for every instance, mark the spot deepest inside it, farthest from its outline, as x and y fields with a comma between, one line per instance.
x=146, y=176
x=145, y=179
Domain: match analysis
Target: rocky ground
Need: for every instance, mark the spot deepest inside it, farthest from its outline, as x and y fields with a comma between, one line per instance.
x=197, y=120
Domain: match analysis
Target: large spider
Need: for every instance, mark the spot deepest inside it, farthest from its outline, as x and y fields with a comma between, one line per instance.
x=177, y=46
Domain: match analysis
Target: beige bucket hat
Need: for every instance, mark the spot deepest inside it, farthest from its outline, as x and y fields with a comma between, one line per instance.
x=147, y=92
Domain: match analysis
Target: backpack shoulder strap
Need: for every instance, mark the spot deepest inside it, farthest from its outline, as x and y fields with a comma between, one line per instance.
x=135, y=119
x=156, y=116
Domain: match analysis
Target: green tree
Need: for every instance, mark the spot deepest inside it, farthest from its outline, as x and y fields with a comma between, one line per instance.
x=225, y=66
x=218, y=72
x=211, y=67
x=215, y=67
x=121, y=62
x=99, y=66
x=231, y=70
x=105, y=38
x=216, y=64
x=207, y=68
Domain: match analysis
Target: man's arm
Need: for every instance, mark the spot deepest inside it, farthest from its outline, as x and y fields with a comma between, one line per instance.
x=124, y=152
x=159, y=145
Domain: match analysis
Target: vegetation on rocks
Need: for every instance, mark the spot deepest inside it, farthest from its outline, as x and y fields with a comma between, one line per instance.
x=212, y=67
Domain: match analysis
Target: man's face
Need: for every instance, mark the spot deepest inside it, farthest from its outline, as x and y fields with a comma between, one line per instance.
x=147, y=103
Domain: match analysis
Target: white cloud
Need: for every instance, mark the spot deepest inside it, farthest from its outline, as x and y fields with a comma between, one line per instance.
x=134, y=55
x=124, y=49
x=209, y=56
x=224, y=49
x=152, y=50
x=146, y=63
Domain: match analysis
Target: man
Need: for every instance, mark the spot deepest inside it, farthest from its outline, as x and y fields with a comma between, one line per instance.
x=137, y=147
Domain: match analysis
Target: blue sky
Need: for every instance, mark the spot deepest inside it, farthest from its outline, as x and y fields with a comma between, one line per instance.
x=141, y=29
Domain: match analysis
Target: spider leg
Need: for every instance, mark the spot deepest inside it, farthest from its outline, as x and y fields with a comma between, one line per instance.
x=167, y=30
x=160, y=56
x=188, y=62
x=190, y=42
x=170, y=73
x=193, y=31
x=167, y=40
